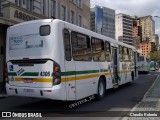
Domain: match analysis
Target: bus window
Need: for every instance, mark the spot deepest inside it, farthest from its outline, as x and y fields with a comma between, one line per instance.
x=121, y=53
x=126, y=54
x=67, y=46
x=130, y=54
x=108, y=51
x=98, y=49
x=81, y=49
x=44, y=30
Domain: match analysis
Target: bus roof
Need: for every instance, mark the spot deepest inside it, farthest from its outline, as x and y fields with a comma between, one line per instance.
x=78, y=28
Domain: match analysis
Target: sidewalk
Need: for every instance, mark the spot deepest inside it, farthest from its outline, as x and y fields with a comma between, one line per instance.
x=149, y=104
x=2, y=90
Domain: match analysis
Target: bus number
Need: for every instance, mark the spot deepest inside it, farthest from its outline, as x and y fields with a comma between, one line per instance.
x=45, y=73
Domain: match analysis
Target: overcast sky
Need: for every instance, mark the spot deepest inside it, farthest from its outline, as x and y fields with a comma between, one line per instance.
x=134, y=7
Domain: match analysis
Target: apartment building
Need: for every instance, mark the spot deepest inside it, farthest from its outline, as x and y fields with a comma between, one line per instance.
x=146, y=48
x=148, y=34
x=137, y=32
x=103, y=21
x=124, y=27
x=148, y=27
x=16, y=11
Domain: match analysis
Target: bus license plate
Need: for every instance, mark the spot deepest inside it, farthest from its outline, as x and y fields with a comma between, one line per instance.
x=28, y=90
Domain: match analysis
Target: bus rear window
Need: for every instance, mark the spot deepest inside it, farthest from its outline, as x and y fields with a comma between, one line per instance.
x=45, y=30
x=141, y=58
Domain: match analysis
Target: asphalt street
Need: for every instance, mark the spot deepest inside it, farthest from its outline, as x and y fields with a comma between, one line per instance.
x=115, y=103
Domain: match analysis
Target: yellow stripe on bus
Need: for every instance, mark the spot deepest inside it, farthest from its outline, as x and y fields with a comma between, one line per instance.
x=90, y=76
x=34, y=79
x=68, y=79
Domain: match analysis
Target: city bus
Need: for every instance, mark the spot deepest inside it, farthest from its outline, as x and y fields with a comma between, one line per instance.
x=154, y=65
x=143, y=64
x=53, y=59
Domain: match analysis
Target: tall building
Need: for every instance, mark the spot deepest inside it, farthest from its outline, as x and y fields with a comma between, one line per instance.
x=148, y=34
x=124, y=27
x=103, y=21
x=148, y=27
x=16, y=11
x=137, y=32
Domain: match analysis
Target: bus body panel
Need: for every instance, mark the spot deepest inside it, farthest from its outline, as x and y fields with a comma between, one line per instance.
x=79, y=79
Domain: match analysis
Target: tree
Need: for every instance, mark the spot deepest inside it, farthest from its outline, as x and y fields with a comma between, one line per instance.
x=154, y=54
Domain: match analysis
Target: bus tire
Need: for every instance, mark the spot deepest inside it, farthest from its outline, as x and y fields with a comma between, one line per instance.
x=132, y=75
x=101, y=89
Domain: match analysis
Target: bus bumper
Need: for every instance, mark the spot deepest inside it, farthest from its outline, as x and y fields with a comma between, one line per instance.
x=57, y=92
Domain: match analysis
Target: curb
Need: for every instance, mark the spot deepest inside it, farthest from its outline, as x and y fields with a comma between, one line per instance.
x=144, y=99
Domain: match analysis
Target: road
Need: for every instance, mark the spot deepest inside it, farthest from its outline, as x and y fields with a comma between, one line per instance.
x=122, y=99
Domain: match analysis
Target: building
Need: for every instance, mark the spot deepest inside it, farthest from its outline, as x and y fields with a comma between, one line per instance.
x=103, y=21
x=148, y=27
x=16, y=11
x=148, y=33
x=124, y=27
x=137, y=32
x=146, y=47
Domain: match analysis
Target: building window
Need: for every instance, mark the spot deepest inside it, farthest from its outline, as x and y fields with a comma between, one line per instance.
x=20, y=3
x=73, y=1
x=44, y=7
x=30, y=5
x=53, y=8
x=63, y=13
x=80, y=3
x=72, y=17
x=16, y=2
x=24, y=2
x=79, y=20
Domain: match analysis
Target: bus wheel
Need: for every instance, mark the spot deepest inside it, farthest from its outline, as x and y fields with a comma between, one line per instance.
x=101, y=89
x=132, y=74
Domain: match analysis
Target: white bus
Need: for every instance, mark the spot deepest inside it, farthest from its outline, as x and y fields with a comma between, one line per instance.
x=57, y=60
x=143, y=64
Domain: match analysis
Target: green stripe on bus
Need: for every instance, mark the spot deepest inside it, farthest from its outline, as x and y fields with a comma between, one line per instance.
x=30, y=74
x=12, y=74
x=78, y=72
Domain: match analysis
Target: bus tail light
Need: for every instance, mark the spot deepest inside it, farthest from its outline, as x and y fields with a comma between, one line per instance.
x=6, y=73
x=56, y=74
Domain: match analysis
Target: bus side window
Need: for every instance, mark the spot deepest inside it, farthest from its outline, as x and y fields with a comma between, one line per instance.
x=126, y=54
x=98, y=50
x=67, y=45
x=121, y=53
x=81, y=49
x=108, y=51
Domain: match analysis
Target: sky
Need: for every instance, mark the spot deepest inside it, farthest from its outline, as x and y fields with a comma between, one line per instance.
x=134, y=7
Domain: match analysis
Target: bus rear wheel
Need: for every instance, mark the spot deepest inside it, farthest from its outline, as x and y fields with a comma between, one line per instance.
x=101, y=89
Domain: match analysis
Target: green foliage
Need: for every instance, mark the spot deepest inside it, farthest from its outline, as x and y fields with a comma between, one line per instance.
x=154, y=56
x=153, y=48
